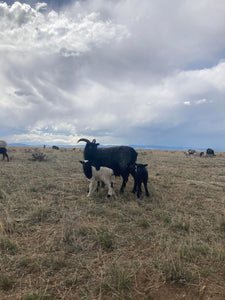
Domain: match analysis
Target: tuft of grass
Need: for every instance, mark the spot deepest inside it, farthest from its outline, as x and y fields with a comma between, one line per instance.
x=192, y=251
x=221, y=224
x=118, y=279
x=182, y=224
x=40, y=295
x=105, y=238
x=143, y=223
x=6, y=283
x=175, y=270
x=8, y=246
x=38, y=156
x=41, y=213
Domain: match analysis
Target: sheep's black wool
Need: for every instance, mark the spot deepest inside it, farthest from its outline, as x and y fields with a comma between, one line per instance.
x=87, y=169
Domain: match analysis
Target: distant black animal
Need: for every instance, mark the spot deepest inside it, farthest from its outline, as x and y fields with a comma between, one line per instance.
x=201, y=154
x=141, y=176
x=120, y=159
x=210, y=152
x=3, y=151
x=55, y=147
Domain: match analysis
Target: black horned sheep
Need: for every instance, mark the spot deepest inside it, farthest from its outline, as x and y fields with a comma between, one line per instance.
x=120, y=159
x=141, y=176
x=104, y=174
x=3, y=150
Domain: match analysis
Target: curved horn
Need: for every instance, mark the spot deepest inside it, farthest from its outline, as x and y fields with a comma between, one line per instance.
x=83, y=140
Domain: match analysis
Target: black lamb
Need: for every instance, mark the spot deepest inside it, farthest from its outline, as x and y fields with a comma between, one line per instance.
x=141, y=176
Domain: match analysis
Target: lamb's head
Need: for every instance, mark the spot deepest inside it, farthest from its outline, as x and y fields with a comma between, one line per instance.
x=87, y=168
x=90, y=148
x=140, y=167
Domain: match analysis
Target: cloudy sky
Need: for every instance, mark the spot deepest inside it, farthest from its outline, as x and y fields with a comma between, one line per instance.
x=121, y=71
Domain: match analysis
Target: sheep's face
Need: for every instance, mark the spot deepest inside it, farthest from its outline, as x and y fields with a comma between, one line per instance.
x=90, y=150
x=87, y=168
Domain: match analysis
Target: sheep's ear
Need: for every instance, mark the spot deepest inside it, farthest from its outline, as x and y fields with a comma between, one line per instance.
x=82, y=162
x=145, y=165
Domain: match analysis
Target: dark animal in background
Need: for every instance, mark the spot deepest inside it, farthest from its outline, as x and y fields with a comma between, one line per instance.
x=3, y=151
x=210, y=152
x=120, y=159
x=141, y=176
x=201, y=154
x=55, y=147
x=104, y=174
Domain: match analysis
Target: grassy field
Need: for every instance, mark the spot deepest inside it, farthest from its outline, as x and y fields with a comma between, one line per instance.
x=56, y=243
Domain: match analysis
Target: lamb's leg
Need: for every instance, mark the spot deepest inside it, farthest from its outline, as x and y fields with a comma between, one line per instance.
x=110, y=189
x=91, y=187
x=146, y=189
x=139, y=190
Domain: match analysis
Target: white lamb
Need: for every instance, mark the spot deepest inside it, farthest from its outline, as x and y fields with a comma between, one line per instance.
x=104, y=174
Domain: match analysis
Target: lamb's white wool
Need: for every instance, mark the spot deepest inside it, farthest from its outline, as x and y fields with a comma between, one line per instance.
x=103, y=174
x=3, y=144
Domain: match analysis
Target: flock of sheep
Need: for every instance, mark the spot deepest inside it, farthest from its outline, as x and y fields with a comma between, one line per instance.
x=101, y=164
x=209, y=152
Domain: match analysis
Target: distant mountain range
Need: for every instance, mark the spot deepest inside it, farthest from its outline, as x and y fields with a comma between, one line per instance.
x=147, y=147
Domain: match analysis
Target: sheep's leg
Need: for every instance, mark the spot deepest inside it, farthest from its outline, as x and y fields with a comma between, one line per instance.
x=135, y=187
x=125, y=179
x=110, y=189
x=91, y=187
x=139, y=190
x=146, y=189
x=133, y=173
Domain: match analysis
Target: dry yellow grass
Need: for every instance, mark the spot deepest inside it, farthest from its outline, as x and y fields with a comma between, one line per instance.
x=55, y=243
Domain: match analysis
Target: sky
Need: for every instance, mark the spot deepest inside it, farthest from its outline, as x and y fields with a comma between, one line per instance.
x=129, y=72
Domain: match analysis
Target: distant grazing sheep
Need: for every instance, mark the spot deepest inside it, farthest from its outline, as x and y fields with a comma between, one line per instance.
x=141, y=176
x=201, y=154
x=3, y=149
x=120, y=159
x=210, y=152
x=191, y=152
x=55, y=147
x=104, y=174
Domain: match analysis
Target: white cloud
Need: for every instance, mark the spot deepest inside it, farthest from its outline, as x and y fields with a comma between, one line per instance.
x=28, y=30
x=119, y=71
